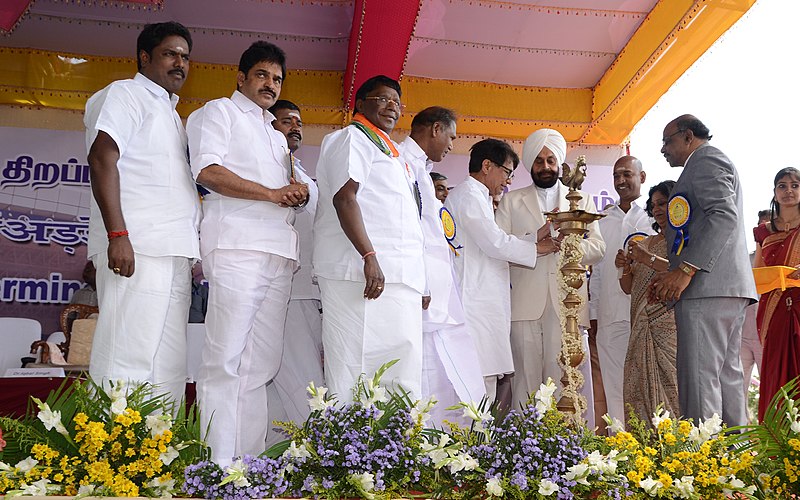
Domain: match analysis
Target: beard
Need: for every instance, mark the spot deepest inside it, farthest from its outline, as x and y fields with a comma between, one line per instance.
x=544, y=183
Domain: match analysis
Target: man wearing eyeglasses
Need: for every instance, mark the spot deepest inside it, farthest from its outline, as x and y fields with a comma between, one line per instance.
x=483, y=252
x=368, y=248
x=710, y=276
x=535, y=296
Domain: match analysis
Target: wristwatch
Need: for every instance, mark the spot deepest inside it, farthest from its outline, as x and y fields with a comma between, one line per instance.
x=687, y=268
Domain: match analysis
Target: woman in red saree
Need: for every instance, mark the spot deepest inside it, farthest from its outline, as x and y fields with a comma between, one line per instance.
x=779, y=311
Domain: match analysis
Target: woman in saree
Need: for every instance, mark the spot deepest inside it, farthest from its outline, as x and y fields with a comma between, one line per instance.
x=651, y=377
x=778, y=318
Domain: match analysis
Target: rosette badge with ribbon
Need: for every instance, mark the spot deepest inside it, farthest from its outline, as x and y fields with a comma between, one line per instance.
x=634, y=237
x=680, y=213
x=449, y=227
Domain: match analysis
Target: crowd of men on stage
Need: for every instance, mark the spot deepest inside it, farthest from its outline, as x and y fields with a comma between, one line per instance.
x=400, y=274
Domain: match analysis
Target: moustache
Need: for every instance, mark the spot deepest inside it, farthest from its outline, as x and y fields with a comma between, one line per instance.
x=178, y=72
x=296, y=135
x=267, y=91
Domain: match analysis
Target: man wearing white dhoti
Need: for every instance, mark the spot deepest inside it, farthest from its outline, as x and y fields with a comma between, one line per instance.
x=449, y=356
x=249, y=250
x=535, y=296
x=301, y=362
x=483, y=253
x=144, y=215
x=368, y=248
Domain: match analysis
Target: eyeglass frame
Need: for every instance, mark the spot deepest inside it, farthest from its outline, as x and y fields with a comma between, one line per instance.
x=666, y=140
x=509, y=172
x=385, y=101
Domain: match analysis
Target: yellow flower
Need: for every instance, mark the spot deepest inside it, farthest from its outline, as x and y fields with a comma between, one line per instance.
x=650, y=451
x=684, y=428
x=670, y=439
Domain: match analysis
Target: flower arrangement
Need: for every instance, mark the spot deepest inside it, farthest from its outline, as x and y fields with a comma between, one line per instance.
x=527, y=454
x=369, y=448
x=86, y=441
x=677, y=459
x=776, y=444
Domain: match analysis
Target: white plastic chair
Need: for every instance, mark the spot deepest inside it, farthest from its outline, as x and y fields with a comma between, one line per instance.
x=16, y=337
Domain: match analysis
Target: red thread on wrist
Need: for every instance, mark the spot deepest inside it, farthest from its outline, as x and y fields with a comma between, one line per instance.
x=363, y=257
x=117, y=234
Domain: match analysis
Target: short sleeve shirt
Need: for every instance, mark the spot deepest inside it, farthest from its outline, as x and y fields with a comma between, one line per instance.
x=157, y=193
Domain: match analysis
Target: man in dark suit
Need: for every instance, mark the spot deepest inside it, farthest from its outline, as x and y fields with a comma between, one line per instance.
x=710, y=275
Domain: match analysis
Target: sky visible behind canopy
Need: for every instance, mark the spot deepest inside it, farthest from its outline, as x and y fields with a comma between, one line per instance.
x=746, y=89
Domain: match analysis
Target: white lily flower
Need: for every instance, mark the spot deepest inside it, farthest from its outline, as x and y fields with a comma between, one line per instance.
x=36, y=489
x=4, y=466
x=614, y=424
x=594, y=458
x=650, y=486
x=683, y=487
x=157, y=424
x=493, y=487
x=117, y=389
x=168, y=456
x=462, y=461
x=795, y=425
x=295, y=451
x=578, y=473
x=164, y=487
x=118, y=406
x=659, y=416
x=366, y=482
x=317, y=400
x=27, y=464
x=51, y=419
x=236, y=474
x=547, y=487
x=546, y=393
x=706, y=430
x=85, y=490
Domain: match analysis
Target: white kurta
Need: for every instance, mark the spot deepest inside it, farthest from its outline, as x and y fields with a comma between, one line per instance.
x=482, y=269
x=611, y=305
x=161, y=210
x=249, y=250
x=360, y=335
x=443, y=323
x=535, y=296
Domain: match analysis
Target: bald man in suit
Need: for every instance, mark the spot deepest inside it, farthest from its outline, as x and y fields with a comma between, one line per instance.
x=710, y=275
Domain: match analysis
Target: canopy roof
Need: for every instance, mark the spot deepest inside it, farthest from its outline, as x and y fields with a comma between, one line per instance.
x=588, y=68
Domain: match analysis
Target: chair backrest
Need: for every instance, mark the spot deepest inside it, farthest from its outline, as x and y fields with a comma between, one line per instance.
x=16, y=336
x=70, y=313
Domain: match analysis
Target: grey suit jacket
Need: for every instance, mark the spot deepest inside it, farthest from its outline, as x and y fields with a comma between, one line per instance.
x=717, y=241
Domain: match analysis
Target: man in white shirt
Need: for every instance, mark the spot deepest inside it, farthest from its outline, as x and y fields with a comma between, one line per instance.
x=368, y=248
x=449, y=355
x=535, y=295
x=301, y=362
x=144, y=215
x=483, y=253
x=613, y=306
x=249, y=250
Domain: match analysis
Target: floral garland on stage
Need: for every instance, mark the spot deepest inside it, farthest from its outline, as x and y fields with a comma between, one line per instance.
x=570, y=252
x=126, y=442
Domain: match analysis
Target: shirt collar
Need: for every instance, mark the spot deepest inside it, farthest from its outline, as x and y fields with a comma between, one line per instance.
x=156, y=89
x=481, y=186
x=415, y=152
x=245, y=104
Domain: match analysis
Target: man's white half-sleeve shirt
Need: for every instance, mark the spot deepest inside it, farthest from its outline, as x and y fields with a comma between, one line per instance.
x=388, y=208
x=157, y=193
x=238, y=135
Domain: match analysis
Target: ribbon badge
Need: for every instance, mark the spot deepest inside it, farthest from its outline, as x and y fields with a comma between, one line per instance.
x=634, y=237
x=449, y=227
x=680, y=213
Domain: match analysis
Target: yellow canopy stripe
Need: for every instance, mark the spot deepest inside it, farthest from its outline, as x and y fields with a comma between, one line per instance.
x=672, y=37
